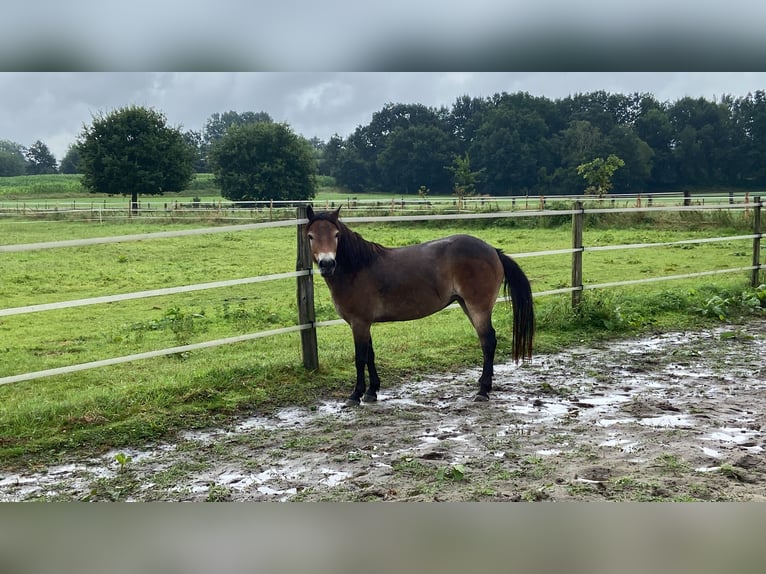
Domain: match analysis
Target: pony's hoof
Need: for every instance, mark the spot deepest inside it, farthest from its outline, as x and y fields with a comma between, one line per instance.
x=480, y=399
x=351, y=403
x=368, y=398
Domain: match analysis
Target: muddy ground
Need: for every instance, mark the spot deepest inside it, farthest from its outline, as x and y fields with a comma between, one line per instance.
x=676, y=416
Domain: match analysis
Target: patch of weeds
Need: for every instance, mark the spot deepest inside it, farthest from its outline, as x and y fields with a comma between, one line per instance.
x=218, y=493
x=113, y=489
x=581, y=488
x=600, y=310
x=639, y=491
x=411, y=467
x=453, y=473
x=302, y=443
x=531, y=467
x=536, y=494
x=671, y=464
x=699, y=491
x=183, y=324
x=483, y=492
x=558, y=391
x=498, y=472
x=123, y=460
x=734, y=473
x=730, y=306
x=170, y=477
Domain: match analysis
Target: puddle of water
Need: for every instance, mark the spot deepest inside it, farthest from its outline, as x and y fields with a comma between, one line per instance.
x=732, y=435
x=612, y=422
x=334, y=477
x=606, y=400
x=712, y=453
x=284, y=494
x=667, y=421
x=548, y=452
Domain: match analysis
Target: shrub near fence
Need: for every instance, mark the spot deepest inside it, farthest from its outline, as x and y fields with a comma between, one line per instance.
x=304, y=276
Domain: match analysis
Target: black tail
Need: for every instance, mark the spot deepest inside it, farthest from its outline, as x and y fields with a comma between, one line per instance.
x=519, y=290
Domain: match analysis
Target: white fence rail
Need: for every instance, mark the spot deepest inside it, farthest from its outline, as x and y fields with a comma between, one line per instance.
x=306, y=323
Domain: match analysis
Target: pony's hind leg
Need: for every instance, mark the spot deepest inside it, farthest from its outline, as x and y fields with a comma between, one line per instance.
x=488, y=345
x=482, y=322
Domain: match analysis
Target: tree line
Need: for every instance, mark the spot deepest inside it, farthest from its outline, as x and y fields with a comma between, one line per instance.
x=513, y=144
x=505, y=144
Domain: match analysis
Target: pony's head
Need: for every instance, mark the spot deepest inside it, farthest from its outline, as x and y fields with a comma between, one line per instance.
x=323, y=232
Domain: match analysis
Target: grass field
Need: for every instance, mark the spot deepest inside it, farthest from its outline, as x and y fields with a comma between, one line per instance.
x=115, y=406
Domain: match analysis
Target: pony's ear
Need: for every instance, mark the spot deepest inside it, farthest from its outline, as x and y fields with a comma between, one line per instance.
x=336, y=214
x=310, y=212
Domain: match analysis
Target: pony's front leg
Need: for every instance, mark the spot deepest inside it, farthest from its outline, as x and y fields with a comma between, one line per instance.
x=372, y=393
x=364, y=357
x=360, y=361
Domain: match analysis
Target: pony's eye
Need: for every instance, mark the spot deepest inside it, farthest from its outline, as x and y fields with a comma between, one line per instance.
x=311, y=237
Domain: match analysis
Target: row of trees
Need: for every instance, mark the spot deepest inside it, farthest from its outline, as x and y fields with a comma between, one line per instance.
x=15, y=159
x=517, y=143
x=500, y=145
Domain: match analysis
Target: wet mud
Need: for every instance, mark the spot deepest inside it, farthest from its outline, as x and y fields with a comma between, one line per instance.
x=675, y=416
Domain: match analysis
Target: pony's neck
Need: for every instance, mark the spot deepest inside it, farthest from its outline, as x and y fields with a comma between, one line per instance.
x=355, y=252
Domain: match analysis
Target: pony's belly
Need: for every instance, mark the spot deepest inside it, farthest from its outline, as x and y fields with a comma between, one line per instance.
x=405, y=309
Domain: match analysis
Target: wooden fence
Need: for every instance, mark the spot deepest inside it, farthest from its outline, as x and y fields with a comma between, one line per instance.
x=303, y=274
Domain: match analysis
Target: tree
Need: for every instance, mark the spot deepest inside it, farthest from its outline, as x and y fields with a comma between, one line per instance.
x=12, y=160
x=464, y=180
x=70, y=163
x=413, y=156
x=263, y=161
x=217, y=125
x=40, y=160
x=132, y=151
x=194, y=139
x=598, y=174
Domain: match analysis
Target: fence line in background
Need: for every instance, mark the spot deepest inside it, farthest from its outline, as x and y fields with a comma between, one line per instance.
x=307, y=324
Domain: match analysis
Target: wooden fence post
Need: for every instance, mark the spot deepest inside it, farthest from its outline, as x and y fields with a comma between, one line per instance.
x=755, y=277
x=577, y=225
x=305, y=292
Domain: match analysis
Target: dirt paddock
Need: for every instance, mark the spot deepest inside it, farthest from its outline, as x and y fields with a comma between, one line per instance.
x=676, y=416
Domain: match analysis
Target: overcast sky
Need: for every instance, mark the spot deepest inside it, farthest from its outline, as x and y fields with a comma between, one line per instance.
x=53, y=107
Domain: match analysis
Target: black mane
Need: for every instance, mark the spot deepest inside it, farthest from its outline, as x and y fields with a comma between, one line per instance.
x=354, y=251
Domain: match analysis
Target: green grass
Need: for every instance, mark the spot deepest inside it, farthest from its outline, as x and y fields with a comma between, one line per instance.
x=95, y=410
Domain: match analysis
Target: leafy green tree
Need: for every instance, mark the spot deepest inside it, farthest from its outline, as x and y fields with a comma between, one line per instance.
x=132, y=151
x=464, y=179
x=356, y=167
x=637, y=157
x=749, y=143
x=40, y=160
x=195, y=141
x=414, y=156
x=12, y=160
x=598, y=174
x=216, y=127
x=575, y=145
x=263, y=161
x=70, y=163
x=653, y=126
x=509, y=148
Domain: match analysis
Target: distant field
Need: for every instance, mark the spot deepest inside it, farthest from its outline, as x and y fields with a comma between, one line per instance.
x=52, y=189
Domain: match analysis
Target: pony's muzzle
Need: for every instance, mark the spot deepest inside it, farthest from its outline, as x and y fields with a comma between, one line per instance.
x=326, y=266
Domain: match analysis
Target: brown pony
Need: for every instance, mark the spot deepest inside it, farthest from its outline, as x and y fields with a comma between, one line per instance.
x=370, y=283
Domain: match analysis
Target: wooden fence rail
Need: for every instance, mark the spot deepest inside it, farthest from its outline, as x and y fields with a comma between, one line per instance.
x=307, y=323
